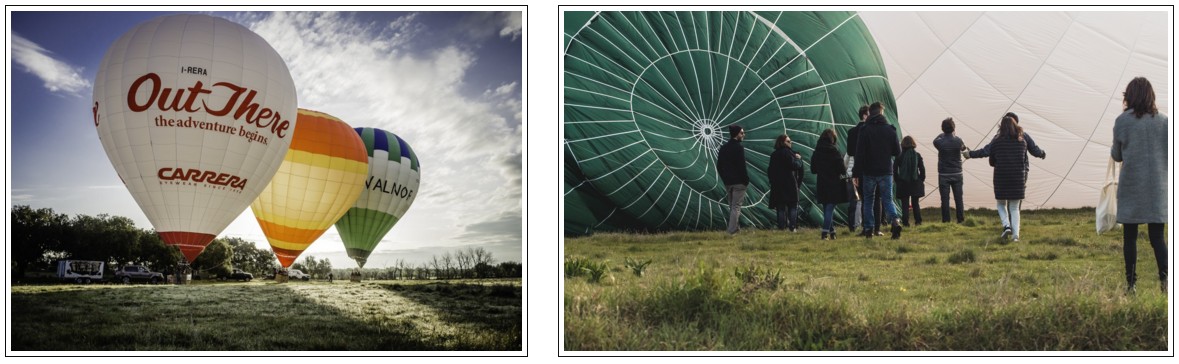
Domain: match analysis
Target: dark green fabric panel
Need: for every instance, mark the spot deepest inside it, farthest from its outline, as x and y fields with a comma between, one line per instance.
x=649, y=97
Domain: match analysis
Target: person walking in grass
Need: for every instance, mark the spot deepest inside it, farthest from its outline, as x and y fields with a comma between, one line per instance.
x=730, y=165
x=910, y=177
x=854, y=205
x=829, y=169
x=1007, y=152
x=875, y=150
x=785, y=174
x=1140, y=143
x=949, y=169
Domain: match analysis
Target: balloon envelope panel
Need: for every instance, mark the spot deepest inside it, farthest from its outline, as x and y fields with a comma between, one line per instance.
x=648, y=98
x=1061, y=72
x=392, y=184
x=195, y=113
x=320, y=178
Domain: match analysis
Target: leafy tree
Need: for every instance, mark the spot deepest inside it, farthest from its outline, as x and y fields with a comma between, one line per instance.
x=34, y=233
x=248, y=257
x=510, y=270
x=216, y=260
x=113, y=239
x=155, y=254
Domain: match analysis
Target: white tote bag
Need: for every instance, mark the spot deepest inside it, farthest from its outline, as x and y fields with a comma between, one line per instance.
x=1107, y=207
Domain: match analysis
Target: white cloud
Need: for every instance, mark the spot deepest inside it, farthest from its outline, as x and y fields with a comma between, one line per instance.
x=367, y=76
x=58, y=75
x=480, y=26
x=511, y=25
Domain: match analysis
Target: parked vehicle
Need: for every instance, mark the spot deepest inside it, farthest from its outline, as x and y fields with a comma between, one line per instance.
x=138, y=273
x=298, y=274
x=80, y=271
x=240, y=275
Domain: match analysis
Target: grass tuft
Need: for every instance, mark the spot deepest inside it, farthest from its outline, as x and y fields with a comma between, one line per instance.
x=962, y=256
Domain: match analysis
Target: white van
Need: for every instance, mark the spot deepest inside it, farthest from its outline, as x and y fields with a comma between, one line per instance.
x=298, y=274
x=80, y=271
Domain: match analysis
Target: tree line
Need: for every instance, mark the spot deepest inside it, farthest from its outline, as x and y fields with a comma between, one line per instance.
x=40, y=237
x=471, y=262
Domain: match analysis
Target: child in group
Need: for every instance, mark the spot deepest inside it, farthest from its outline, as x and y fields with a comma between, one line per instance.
x=1007, y=151
x=909, y=172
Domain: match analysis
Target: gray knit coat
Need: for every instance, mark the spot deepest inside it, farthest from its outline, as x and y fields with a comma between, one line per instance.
x=1141, y=145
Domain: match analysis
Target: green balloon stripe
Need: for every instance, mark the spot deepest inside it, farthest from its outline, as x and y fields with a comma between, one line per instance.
x=361, y=229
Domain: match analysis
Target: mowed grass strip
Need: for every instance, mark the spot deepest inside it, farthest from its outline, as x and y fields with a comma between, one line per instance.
x=264, y=316
x=939, y=287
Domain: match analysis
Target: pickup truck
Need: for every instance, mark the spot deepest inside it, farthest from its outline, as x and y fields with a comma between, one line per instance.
x=138, y=273
x=240, y=275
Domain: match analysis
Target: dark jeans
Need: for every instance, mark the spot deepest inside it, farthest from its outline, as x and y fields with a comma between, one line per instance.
x=787, y=217
x=877, y=206
x=1130, y=249
x=944, y=185
x=916, y=204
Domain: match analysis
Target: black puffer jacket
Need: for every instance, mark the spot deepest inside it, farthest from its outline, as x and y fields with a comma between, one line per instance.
x=730, y=163
x=827, y=165
x=1010, y=176
x=949, y=153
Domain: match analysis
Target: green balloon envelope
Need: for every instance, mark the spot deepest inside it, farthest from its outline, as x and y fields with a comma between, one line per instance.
x=648, y=97
x=389, y=190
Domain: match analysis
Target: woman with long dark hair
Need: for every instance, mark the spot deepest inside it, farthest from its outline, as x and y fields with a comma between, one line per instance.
x=785, y=172
x=1007, y=150
x=1140, y=143
x=829, y=169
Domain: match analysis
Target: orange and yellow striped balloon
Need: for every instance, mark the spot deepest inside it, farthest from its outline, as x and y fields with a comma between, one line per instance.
x=320, y=178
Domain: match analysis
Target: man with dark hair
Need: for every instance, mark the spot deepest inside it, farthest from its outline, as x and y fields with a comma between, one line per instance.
x=949, y=169
x=730, y=165
x=853, y=204
x=875, y=150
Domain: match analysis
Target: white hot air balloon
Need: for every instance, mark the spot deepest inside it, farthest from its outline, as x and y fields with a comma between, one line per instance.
x=1062, y=73
x=196, y=114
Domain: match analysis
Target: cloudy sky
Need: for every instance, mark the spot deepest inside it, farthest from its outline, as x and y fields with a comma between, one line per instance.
x=448, y=82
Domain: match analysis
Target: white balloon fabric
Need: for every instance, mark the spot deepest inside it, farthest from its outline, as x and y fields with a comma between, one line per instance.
x=1062, y=73
x=196, y=114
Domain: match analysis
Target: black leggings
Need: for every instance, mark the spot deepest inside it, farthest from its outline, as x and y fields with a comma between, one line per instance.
x=1130, y=249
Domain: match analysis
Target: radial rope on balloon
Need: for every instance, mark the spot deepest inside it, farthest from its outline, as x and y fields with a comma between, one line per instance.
x=648, y=97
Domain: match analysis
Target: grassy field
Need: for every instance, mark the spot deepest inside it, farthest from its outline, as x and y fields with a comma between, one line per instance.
x=939, y=287
x=482, y=315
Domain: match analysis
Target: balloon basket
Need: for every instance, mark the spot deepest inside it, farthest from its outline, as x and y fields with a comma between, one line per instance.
x=281, y=278
x=355, y=277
